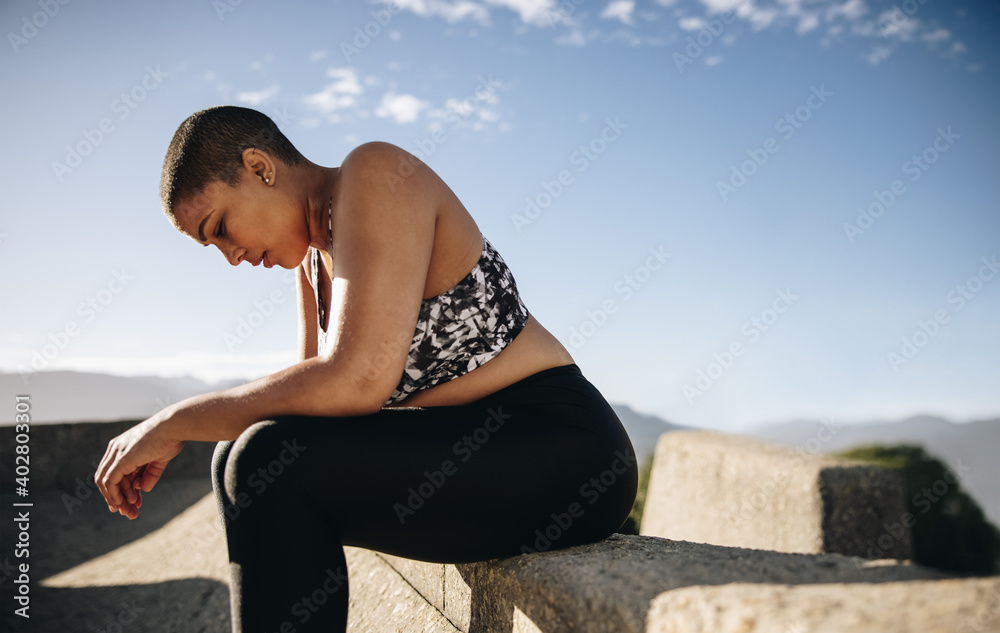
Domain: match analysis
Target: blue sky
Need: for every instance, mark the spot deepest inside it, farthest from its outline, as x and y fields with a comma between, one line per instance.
x=730, y=212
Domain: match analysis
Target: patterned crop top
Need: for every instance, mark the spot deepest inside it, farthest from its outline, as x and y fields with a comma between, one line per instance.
x=457, y=330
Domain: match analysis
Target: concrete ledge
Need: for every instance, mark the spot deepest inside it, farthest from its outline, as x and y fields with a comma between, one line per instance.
x=948, y=606
x=66, y=455
x=732, y=490
x=174, y=568
x=84, y=566
x=637, y=584
x=381, y=600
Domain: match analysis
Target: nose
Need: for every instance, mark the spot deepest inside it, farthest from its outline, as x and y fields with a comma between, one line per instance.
x=233, y=257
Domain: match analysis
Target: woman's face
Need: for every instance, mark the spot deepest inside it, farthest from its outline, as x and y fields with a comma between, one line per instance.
x=254, y=221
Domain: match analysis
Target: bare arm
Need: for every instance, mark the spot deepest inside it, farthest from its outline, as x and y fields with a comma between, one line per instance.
x=307, y=309
x=383, y=237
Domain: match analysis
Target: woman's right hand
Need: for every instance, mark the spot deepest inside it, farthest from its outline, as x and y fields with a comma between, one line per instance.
x=134, y=462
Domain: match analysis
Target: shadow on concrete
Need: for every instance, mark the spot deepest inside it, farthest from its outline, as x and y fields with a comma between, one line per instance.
x=619, y=578
x=64, y=535
x=130, y=608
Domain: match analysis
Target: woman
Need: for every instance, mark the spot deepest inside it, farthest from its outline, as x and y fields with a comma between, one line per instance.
x=431, y=416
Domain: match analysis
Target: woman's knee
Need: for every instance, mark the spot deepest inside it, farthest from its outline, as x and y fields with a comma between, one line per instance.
x=259, y=459
x=219, y=458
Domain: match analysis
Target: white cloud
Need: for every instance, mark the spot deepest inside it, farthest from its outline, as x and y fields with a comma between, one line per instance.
x=450, y=11
x=535, y=12
x=576, y=37
x=488, y=115
x=760, y=18
x=531, y=12
x=936, y=35
x=315, y=56
x=831, y=20
x=718, y=6
x=849, y=10
x=619, y=10
x=691, y=24
x=256, y=98
x=341, y=93
x=713, y=60
x=895, y=23
x=401, y=108
x=807, y=22
x=878, y=54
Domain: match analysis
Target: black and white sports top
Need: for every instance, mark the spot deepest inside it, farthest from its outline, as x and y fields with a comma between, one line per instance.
x=457, y=330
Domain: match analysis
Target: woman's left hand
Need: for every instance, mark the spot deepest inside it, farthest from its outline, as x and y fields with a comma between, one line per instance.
x=134, y=462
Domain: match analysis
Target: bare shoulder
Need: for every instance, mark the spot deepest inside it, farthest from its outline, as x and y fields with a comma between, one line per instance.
x=373, y=202
x=386, y=167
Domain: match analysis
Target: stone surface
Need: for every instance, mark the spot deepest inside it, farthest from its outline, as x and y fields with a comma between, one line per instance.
x=88, y=568
x=940, y=606
x=383, y=602
x=611, y=586
x=426, y=579
x=54, y=466
x=726, y=489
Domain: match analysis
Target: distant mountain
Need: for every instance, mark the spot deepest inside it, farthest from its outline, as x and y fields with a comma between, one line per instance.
x=71, y=396
x=973, y=446
x=68, y=396
x=643, y=429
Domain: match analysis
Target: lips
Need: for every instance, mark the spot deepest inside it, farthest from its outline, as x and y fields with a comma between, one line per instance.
x=267, y=262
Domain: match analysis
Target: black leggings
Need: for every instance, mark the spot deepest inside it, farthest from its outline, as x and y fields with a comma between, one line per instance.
x=541, y=464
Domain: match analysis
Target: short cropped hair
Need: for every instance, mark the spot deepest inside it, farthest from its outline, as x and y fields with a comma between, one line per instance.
x=208, y=146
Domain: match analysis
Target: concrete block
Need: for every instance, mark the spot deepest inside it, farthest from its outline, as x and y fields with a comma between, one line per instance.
x=614, y=586
x=940, y=606
x=728, y=489
x=65, y=456
x=457, y=598
x=426, y=578
x=442, y=586
x=383, y=601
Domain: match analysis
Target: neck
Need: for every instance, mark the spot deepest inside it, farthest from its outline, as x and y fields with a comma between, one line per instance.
x=316, y=185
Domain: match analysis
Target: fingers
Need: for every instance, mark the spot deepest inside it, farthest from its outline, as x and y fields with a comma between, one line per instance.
x=116, y=486
x=151, y=474
x=131, y=498
x=107, y=478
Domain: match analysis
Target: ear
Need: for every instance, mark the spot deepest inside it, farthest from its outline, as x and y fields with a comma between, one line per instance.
x=259, y=166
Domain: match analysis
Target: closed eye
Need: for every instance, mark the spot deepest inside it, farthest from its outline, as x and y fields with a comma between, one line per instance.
x=220, y=229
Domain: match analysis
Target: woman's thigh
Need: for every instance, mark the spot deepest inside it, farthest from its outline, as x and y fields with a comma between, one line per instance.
x=493, y=478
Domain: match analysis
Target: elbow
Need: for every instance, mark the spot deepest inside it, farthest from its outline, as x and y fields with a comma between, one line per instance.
x=369, y=406
x=367, y=395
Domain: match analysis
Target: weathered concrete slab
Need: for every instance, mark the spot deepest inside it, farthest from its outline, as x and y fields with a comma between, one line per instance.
x=89, y=568
x=168, y=571
x=727, y=489
x=383, y=602
x=65, y=455
x=614, y=585
x=938, y=606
